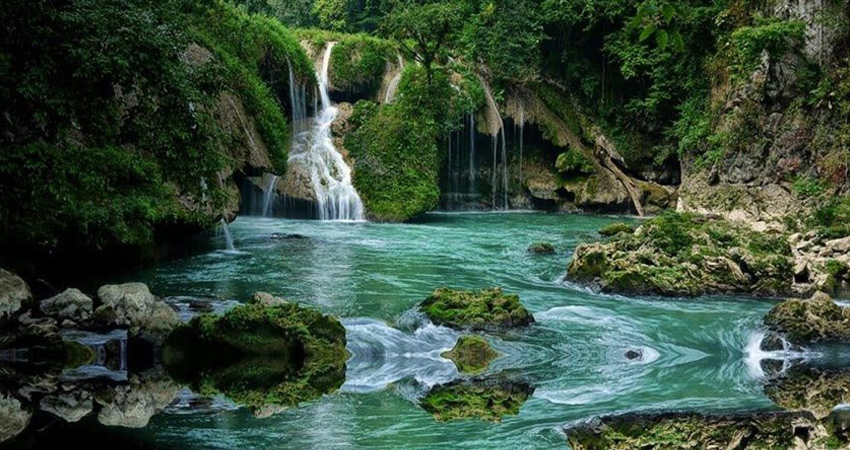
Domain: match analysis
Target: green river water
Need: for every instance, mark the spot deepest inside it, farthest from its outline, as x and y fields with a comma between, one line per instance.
x=693, y=353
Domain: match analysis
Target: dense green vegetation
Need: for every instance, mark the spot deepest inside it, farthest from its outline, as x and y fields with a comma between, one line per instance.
x=113, y=116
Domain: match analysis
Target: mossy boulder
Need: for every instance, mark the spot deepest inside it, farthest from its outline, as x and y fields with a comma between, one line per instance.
x=260, y=355
x=811, y=389
x=489, y=309
x=541, y=248
x=483, y=399
x=818, y=319
x=471, y=354
x=616, y=228
x=687, y=255
x=689, y=430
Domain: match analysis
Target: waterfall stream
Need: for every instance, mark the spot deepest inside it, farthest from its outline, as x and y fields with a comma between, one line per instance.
x=314, y=157
x=269, y=197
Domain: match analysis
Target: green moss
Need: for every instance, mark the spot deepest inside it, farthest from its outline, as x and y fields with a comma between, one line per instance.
x=688, y=255
x=358, y=64
x=487, y=309
x=471, y=354
x=815, y=320
x=574, y=162
x=616, y=228
x=77, y=355
x=260, y=355
x=395, y=151
x=682, y=430
x=482, y=399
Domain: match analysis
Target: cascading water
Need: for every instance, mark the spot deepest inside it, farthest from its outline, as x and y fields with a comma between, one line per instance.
x=393, y=86
x=269, y=197
x=317, y=158
x=228, y=239
x=521, y=140
x=472, y=152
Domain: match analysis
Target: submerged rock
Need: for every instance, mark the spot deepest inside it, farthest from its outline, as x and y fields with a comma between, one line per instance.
x=471, y=355
x=687, y=255
x=541, y=248
x=697, y=431
x=133, y=306
x=483, y=399
x=14, y=293
x=70, y=305
x=818, y=319
x=485, y=310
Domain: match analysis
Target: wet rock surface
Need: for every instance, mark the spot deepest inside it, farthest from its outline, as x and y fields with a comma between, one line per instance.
x=14, y=293
x=687, y=255
x=489, y=309
x=803, y=321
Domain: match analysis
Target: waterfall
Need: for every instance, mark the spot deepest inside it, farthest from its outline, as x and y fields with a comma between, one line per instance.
x=521, y=139
x=505, y=168
x=472, y=151
x=270, y=195
x=493, y=176
x=496, y=128
x=298, y=99
x=393, y=86
x=228, y=239
x=316, y=158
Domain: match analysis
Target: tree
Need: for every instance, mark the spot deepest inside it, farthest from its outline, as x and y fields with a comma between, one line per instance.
x=424, y=29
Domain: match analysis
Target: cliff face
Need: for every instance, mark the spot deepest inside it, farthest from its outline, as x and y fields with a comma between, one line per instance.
x=774, y=138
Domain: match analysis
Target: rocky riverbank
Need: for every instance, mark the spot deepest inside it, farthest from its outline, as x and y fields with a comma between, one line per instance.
x=687, y=254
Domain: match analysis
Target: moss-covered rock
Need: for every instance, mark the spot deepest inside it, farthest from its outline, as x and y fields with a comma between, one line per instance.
x=471, y=354
x=489, y=309
x=818, y=319
x=688, y=255
x=687, y=430
x=483, y=399
x=811, y=389
x=616, y=228
x=541, y=248
x=260, y=355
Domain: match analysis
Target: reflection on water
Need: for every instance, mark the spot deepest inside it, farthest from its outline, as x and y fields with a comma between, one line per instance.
x=588, y=355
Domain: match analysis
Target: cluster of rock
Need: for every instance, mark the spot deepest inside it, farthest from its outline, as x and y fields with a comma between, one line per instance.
x=127, y=306
x=687, y=255
x=820, y=263
x=691, y=430
x=129, y=404
x=818, y=319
